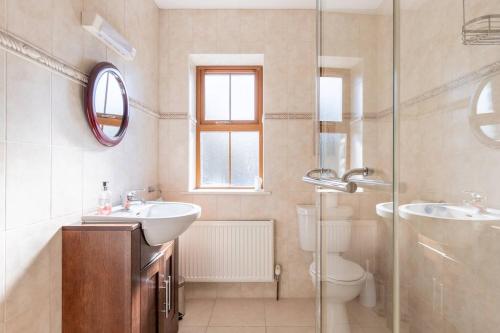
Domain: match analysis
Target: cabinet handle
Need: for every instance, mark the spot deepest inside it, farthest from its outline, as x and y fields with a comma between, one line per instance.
x=168, y=283
x=168, y=296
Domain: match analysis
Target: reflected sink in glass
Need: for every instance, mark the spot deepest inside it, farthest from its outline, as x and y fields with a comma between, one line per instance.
x=161, y=222
x=451, y=225
x=385, y=209
x=449, y=212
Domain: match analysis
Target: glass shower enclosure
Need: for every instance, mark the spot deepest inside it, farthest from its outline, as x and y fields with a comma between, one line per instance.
x=408, y=149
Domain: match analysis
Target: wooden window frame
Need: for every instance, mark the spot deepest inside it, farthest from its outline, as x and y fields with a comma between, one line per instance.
x=340, y=127
x=203, y=125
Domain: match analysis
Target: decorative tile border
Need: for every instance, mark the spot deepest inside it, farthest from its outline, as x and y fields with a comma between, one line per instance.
x=310, y=116
x=139, y=106
x=16, y=45
x=22, y=48
x=174, y=115
x=19, y=47
x=464, y=80
x=287, y=115
x=477, y=75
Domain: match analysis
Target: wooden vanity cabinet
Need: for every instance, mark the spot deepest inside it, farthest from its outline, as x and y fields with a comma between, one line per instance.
x=114, y=282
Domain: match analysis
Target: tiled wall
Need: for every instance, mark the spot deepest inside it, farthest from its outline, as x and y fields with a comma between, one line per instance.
x=50, y=164
x=286, y=38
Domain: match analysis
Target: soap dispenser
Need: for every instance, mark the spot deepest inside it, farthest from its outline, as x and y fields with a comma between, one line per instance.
x=104, y=207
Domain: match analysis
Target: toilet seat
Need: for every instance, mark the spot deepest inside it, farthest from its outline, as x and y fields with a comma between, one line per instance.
x=340, y=271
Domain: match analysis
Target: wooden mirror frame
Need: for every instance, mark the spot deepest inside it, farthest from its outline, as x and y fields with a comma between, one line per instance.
x=90, y=111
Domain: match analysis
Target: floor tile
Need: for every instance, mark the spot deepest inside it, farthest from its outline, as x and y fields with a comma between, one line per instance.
x=198, y=312
x=192, y=329
x=356, y=329
x=363, y=316
x=238, y=312
x=290, y=330
x=290, y=312
x=375, y=329
x=236, y=330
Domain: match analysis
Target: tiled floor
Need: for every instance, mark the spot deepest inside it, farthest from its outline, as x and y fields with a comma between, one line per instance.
x=267, y=316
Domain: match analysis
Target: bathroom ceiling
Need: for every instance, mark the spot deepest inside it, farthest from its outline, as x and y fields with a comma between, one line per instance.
x=333, y=5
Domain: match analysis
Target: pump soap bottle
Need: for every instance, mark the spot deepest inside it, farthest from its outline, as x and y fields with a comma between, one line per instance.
x=104, y=207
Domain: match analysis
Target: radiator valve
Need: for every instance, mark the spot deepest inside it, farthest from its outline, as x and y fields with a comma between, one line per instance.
x=277, y=273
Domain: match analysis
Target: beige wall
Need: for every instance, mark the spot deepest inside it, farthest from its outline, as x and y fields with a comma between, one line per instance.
x=50, y=164
x=287, y=40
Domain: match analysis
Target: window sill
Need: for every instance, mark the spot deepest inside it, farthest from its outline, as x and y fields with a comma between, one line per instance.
x=227, y=192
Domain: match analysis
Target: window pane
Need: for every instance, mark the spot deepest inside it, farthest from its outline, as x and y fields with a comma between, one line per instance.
x=214, y=158
x=333, y=151
x=244, y=158
x=217, y=97
x=330, y=98
x=100, y=93
x=242, y=97
x=114, y=98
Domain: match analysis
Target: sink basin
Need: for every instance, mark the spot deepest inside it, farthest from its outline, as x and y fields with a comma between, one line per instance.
x=385, y=209
x=161, y=222
x=451, y=225
x=448, y=212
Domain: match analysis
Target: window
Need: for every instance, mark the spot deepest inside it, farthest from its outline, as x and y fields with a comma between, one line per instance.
x=229, y=126
x=334, y=104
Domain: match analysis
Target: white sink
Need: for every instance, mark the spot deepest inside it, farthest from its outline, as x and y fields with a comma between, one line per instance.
x=161, y=222
x=385, y=209
x=450, y=225
x=448, y=212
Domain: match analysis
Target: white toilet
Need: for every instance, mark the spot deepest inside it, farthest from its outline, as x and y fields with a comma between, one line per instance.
x=344, y=279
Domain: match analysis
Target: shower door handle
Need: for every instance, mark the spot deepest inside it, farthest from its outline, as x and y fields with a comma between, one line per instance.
x=331, y=181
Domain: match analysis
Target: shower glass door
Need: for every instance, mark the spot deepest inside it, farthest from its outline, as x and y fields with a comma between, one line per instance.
x=449, y=159
x=354, y=261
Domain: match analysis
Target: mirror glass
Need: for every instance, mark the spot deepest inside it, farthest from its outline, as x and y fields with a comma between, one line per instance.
x=108, y=104
x=485, y=113
x=107, y=110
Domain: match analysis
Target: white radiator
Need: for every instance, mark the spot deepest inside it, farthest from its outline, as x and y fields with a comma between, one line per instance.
x=227, y=251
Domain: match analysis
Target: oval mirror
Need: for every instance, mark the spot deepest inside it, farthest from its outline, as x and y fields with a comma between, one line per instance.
x=485, y=111
x=107, y=104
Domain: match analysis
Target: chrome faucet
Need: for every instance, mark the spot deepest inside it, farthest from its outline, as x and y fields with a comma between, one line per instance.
x=131, y=197
x=475, y=200
x=357, y=172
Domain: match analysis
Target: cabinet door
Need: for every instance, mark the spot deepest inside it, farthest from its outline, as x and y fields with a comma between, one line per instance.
x=153, y=297
x=171, y=304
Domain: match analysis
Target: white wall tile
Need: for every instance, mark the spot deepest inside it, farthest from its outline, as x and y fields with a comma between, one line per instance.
x=2, y=278
x=68, y=33
x=55, y=248
x=2, y=185
x=67, y=179
x=32, y=20
x=3, y=13
x=69, y=124
x=3, y=86
x=44, y=109
x=28, y=278
x=28, y=89
x=27, y=184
